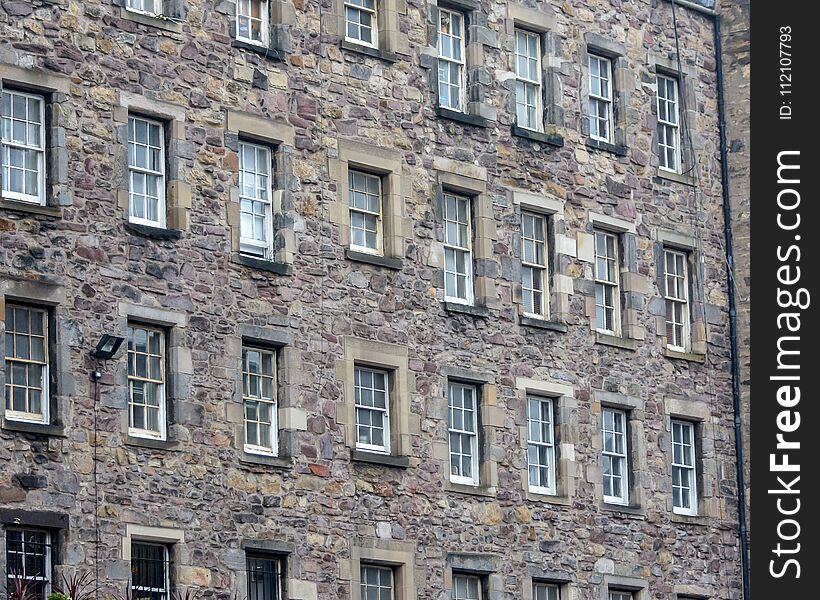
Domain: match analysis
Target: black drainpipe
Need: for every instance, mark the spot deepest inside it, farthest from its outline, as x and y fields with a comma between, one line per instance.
x=730, y=264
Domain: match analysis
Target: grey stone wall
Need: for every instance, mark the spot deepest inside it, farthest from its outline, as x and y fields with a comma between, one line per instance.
x=320, y=503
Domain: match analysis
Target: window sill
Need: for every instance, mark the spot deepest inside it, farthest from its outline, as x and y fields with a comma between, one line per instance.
x=676, y=177
x=537, y=136
x=139, y=442
x=369, y=51
x=701, y=520
x=624, y=509
x=373, y=259
x=466, y=309
x=616, y=149
x=374, y=458
x=155, y=233
x=266, y=51
x=263, y=265
x=461, y=117
x=151, y=21
x=30, y=207
x=276, y=462
x=472, y=490
x=548, y=498
x=690, y=356
x=47, y=429
x=543, y=324
x=615, y=341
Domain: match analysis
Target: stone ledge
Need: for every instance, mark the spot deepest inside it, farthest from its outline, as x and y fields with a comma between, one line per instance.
x=374, y=458
x=537, y=136
x=139, y=442
x=266, y=51
x=466, y=309
x=46, y=429
x=544, y=324
x=373, y=259
x=155, y=233
x=690, y=356
x=151, y=21
x=368, y=51
x=460, y=117
x=676, y=177
x=548, y=499
x=697, y=520
x=276, y=462
x=624, y=510
x=28, y=207
x=263, y=265
x=472, y=490
x=616, y=149
x=615, y=341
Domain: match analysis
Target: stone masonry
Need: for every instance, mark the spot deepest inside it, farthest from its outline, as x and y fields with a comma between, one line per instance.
x=325, y=105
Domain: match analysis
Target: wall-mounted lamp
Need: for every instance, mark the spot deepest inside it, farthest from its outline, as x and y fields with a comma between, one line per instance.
x=107, y=346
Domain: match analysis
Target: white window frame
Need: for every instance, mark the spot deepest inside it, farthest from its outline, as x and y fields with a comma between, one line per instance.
x=359, y=6
x=264, y=19
x=49, y=566
x=351, y=178
x=671, y=108
x=548, y=444
x=160, y=175
x=278, y=561
x=364, y=585
x=250, y=245
x=467, y=577
x=357, y=370
x=454, y=248
x=523, y=81
x=40, y=149
x=472, y=435
x=546, y=590
x=676, y=294
x=138, y=6
x=600, y=99
x=621, y=595
x=540, y=271
x=45, y=398
x=161, y=433
x=603, y=282
x=273, y=449
x=450, y=60
x=681, y=466
x=613, y=455
x=166, y=561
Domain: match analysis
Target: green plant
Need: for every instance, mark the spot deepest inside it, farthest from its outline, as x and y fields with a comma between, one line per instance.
x=58, y=596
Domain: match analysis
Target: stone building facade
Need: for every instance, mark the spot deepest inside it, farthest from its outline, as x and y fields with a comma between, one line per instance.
x=440, y=429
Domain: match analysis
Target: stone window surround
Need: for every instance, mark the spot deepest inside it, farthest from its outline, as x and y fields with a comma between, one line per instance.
x=543, y=22
x=396, y=227
x=397, y=554
x=476, y=77
x=172, y=17
x=560, y=250
x=55, y=523
x=484, y=566
x=283, y=551
x=686, y=98
x=63, y=382
x=470, y=181
x=621, y=78
x=404, y=425
x=177, y=549
x=279, y=136
x=177, y=190
x=637, y=466
x=180, y=411
x=698, y=328
x=290, y=417
x=282, y=18
x=490, y=418
x=692, y=592
x=538, y=574
x=633, y=287
x=612, y=581
x=565, y=430
x=55, y=91
x=391, y=40
x=697, y=412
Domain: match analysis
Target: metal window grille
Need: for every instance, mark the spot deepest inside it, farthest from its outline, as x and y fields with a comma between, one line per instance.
x=28, y=559
x=264, y=577
x=150, y=571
